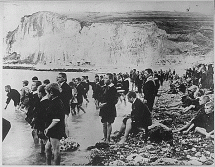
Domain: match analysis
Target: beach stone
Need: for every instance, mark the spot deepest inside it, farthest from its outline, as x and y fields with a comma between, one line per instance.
x=212, y=155
x=138, y=159
x=131, y=157
x=166, y=161
x=193, y=149
x=121, y=157
x=167, y=121
x=117, y=163
x=207, y=152
x=194, y=158
x=198, y=154
x=150, y=147
x=202, y=158
x=193, y=162
x=160, y=132
x=145, y=160
x=145, y=155
x=188, y=156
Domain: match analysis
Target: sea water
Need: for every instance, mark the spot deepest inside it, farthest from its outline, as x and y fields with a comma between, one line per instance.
x=18, y=147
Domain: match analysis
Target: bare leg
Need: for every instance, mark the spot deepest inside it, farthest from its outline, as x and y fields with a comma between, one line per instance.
x=105, y=130
x=42, y=147
x=187, y=131
x=80, y=107
x=183, y=128
x=56, y=150
x=109, y=130
x=203, y=132
x=122, y=129
x=127, y=130
x=48, y=153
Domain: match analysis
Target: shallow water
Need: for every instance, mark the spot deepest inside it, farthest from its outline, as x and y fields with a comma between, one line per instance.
x=86, y=129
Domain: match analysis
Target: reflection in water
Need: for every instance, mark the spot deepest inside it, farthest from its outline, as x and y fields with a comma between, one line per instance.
x=86, y=129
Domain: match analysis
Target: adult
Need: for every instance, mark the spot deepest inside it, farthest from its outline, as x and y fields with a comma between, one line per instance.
x=55, y=125
x=65, y=94
x=12, y=94
x=107, y=106
x=80, y=94
x=96, y=91
x=149, y=88
x=140, y=117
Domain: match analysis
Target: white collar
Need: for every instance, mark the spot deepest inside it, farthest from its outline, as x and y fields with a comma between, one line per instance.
x=111, y=84
x=134, y=100
x=34, y=92
x=44, y=98
x=149, y=78
x=62, y=83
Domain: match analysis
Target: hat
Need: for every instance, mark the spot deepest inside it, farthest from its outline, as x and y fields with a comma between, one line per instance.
x=34, y=78
x=25, y=82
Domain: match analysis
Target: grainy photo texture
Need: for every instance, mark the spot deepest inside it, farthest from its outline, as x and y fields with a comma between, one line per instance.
x=114, y=83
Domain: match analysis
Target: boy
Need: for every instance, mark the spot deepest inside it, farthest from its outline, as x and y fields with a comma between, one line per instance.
x=140, y=117
x=12, y=94
x=204, y=119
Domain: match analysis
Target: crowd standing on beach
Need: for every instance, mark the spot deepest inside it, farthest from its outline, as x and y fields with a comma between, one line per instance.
x=48, y=105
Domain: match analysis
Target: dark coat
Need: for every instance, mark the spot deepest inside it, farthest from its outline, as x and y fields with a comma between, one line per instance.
x=81, y=93
x=149, y=90
x=55, y=111
x=110, y=97
x=33, y=102
x=14, y=95
x=66, y=96
x=140, y=114
x=41, y=110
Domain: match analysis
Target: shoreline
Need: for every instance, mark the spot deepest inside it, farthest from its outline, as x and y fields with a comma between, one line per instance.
x=100, y=69
x=45, y=69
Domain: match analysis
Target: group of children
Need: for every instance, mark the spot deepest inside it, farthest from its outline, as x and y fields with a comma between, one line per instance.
x=48, y=105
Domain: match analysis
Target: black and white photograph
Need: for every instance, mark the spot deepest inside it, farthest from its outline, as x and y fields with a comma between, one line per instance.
x=107, y=83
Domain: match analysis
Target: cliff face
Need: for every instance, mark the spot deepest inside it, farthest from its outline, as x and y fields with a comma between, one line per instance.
x=51, y=38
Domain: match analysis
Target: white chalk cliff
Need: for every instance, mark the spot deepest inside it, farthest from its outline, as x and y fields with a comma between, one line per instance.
x=51, y=38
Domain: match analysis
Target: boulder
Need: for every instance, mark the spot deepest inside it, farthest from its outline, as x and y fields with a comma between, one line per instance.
x=160, y=132
x=117, y=163
x=166, y=161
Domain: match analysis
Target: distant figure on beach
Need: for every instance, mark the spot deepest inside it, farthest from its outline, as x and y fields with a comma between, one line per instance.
x=25, y=95
x=12, y=94
x=107, y=106
x=65, y=95
x=149, y=88
x=80, y=94
x=34, y=78
x=140, y=117
x=46, y=82
x=73, y=101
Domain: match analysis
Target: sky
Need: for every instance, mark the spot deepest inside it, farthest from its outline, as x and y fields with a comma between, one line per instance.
x=14, y=10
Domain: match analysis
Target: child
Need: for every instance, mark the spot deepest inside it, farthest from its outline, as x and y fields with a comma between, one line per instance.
x=74, y=100
x=12, y=94
x=25, y=92
x=204, y=119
